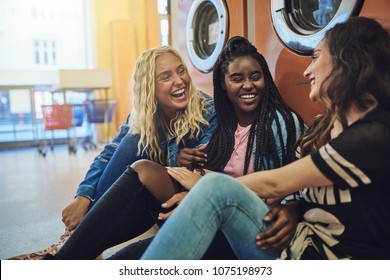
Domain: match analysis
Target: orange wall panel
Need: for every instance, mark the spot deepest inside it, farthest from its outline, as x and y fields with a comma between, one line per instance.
x=124, y=56
x=237, y=10
x=124, y=29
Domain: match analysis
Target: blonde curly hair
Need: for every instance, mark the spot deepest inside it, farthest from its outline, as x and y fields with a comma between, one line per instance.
x=146, y=113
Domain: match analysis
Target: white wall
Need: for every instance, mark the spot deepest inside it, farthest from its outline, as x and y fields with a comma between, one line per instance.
x=23, y=22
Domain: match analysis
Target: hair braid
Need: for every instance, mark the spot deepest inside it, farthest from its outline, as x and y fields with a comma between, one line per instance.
x=261, y=135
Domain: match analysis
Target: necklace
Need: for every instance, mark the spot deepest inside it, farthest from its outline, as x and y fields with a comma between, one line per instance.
x=168, y=128
x=243, y=138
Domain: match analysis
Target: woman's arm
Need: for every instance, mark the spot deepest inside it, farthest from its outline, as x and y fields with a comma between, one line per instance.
x=282, y=181
x=88, y=186
x=75, y=211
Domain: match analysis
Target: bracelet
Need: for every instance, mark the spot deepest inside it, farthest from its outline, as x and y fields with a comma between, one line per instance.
x=195, y=168
x=200, y=171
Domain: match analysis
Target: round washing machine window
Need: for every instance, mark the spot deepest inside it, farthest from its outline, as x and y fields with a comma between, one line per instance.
x=206, y=32
x=301, y=24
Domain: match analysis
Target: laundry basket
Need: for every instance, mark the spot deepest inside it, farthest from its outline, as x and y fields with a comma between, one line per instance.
x=100, y=110
x=78, y=114
x=57, y=116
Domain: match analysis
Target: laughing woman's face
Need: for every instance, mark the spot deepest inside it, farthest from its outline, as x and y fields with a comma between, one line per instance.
x=244, y=84
x=318, y=70
x=171, y=86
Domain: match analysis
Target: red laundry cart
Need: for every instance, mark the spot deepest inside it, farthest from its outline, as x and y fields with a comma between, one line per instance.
x=58, y=117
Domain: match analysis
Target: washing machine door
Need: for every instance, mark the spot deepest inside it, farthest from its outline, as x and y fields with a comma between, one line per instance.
x=206, y=32
x=301, y=24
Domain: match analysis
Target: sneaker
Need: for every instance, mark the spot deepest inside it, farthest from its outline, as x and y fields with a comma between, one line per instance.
x=53, y=249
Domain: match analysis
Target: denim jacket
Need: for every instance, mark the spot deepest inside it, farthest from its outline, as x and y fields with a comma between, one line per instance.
x=123, y=151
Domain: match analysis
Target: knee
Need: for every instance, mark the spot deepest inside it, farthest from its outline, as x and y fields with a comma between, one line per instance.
x=143, y=165
x=218, y=183
x=146, y=168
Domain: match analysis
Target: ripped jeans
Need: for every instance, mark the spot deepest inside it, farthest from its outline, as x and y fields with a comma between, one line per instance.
x=216, y=202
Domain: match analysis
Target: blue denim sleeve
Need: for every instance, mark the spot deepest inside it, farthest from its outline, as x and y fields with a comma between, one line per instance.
x=87, y=187
x=211, y=117
x=207, y=131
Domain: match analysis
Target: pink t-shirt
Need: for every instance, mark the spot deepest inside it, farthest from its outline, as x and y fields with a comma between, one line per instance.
x=235, y=165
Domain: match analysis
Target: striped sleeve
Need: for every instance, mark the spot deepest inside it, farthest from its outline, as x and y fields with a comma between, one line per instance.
x=359, y=156
x=338, y=169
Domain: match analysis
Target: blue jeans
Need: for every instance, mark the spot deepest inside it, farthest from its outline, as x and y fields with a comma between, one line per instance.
x=125, y=211
x=216, y=202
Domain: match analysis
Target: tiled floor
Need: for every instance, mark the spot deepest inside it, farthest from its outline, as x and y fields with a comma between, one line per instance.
x=33, y=192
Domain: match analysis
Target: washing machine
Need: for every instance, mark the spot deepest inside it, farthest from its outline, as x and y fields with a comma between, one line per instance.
x=286, y=31
x=204, y=26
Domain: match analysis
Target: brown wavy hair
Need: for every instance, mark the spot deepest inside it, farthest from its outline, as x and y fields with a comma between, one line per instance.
x=360, y=51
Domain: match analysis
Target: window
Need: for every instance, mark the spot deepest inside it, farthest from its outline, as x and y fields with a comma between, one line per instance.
x=41, y=37
x=163, y=12
x=45, y=52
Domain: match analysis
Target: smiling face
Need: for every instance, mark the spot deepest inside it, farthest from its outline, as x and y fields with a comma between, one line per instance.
x=171, y=86
x=244, y=83
x=319, y=69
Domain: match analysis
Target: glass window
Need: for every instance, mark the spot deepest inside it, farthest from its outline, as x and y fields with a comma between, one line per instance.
x=36, y=52
x=45, y=51
x=16, y=119
x=164, y=30
x=54, y=52
x=206, y=32
x=163, y=11
x=314, y=14
x=301, y=24
x=43, y=37
x=206, y=26
x=162, y=7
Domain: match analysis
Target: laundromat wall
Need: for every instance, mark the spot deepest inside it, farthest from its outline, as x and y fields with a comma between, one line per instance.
x=124, y=29
x=287, y=63
x=212, y=22
x=265, y=23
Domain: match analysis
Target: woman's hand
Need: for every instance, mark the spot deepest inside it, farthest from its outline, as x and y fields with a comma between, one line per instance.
x=75, y=212
x=174, y=200
x=187, y=156
x=279, y=235
x=185, y=177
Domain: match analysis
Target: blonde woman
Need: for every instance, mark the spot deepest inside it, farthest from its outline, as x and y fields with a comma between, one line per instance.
x=170, y=123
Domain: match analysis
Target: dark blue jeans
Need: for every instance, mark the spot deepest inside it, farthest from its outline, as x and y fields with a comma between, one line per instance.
x=123, y=157
x=125, y=211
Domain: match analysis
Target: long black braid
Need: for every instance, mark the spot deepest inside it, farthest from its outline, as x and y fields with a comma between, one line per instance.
x=221, y=145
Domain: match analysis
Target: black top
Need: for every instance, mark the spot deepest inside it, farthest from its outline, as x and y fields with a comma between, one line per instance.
x=351, y=219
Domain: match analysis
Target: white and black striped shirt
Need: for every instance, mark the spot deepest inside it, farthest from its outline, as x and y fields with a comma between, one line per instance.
x=351, y=218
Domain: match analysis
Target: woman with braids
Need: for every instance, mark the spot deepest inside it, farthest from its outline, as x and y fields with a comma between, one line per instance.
x=343, y=176
x=257, y=131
